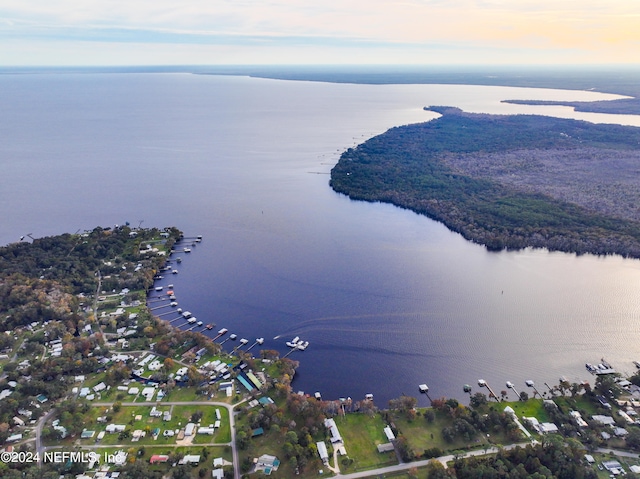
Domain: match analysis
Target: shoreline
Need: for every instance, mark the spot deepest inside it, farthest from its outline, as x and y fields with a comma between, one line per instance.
x=437, y=173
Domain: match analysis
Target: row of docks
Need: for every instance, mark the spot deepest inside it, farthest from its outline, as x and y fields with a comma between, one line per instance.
x=424, y=389
x=185, y=319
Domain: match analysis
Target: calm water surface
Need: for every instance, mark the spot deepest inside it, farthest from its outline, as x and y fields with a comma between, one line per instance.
x=388, y=299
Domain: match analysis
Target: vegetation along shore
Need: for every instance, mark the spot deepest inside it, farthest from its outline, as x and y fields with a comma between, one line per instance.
x=94, y=385
x=507, y=182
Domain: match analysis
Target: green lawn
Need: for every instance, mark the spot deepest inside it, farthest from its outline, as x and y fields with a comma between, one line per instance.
x=361, y=435
x=222, y=435
x=179, y=394
x=422, y=435
x=530, y=408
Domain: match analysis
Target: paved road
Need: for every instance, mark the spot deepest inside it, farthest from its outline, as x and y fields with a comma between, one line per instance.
x=408, y=465
x=617, y=452
x=41, y=422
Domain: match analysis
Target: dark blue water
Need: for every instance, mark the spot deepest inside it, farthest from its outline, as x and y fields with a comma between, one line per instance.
x=387, y=299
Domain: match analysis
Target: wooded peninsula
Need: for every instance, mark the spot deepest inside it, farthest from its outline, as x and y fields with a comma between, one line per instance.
x=508, y=182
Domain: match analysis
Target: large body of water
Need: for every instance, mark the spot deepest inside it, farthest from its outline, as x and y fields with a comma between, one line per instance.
x=387, y=298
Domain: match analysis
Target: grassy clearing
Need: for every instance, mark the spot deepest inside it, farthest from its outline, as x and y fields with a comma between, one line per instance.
x=361, y=435
x=530, y=408
x=422, y=434
x=223, y=435
x=183, y=394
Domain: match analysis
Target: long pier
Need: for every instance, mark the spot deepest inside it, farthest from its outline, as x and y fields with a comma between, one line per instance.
x=257, y=341
x=291, y=351
x=483, y=384
x=159, y=307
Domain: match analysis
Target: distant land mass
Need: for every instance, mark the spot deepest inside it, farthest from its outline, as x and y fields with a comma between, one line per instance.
x=617, y=79
x=621, y=80
x=508, y=182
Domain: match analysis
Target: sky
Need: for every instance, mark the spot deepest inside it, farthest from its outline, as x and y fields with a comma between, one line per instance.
x=209, y=32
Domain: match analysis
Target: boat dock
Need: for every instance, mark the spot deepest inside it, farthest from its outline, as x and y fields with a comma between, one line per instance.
x=257, y=341
x=602, y=368
x=221, y=333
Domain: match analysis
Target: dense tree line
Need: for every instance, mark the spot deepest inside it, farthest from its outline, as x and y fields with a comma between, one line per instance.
x=549, y=460
x=623, y=106
x=39, y=280
x=405, y=167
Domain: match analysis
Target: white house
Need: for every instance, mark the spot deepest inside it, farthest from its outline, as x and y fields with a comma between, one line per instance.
x=322, y=451
x=330, y=424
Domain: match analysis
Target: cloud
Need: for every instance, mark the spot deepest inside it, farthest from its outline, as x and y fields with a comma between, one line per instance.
x=600, y=30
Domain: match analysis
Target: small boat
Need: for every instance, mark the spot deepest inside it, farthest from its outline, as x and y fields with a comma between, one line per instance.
x=294, y=342
x=172, y=297
x=209, y=327
x=173, y=303
x=175, y=271
x=260, y=340
x=191, y=320
x=424, y=389
x=179, y=310
x=186, y=314
x=318, y=396
x=244, y=341
x=187, y=250
x=170, y=286
x=199, y=323
x=466, y=388
x=223, y=331
x=158, y=288
x=179, y=260
x=302, y=345
x=637, y=364
x=233, y=337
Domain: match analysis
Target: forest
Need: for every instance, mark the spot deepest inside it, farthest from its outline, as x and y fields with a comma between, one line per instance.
x=507, y=182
